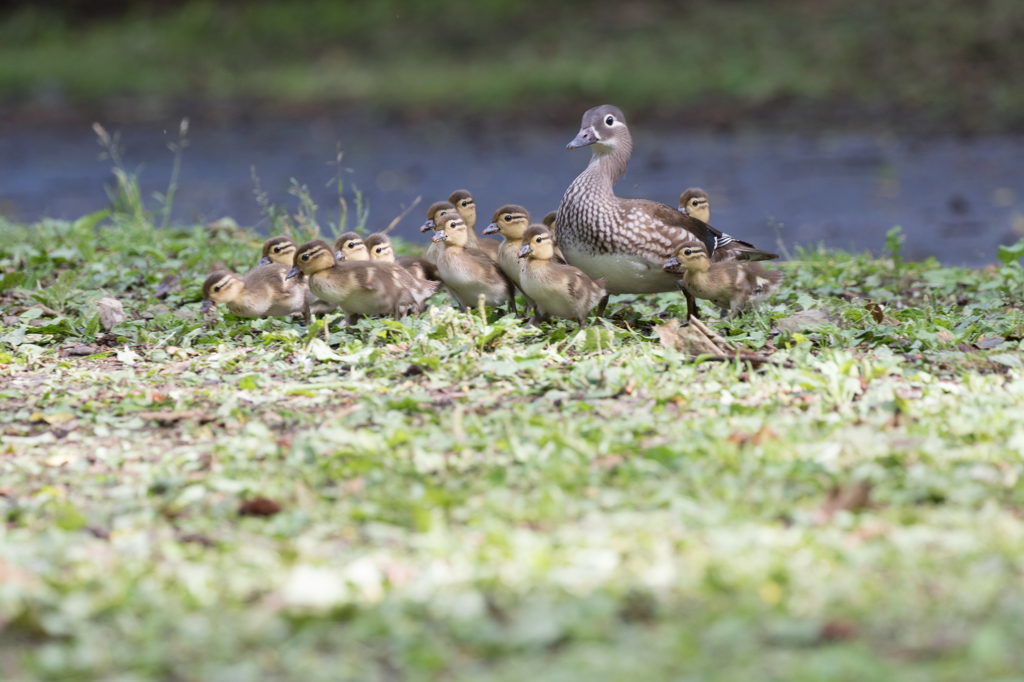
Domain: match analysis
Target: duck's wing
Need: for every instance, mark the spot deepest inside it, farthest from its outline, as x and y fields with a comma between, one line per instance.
x=662, y=228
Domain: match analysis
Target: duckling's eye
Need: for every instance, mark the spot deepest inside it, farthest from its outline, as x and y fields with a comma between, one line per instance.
x=305, y=256
x=216, y=288
x=610, y=120
x=538, y=240
x=465, y=203
x=687, y=252
x=508, y=218
x=277, y=249
x=694, y=202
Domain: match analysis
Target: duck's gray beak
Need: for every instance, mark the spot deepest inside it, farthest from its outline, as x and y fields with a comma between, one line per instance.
x=524, y=251
x=671, y=264
x=338, y=255
x=428, y=226
x=586, y=137
x=207, y=304
x=439, y=237
x=265, y=261
x=293, y=272
x=491, y=229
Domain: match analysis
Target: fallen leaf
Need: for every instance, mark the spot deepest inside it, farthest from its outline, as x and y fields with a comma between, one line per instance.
x=804, y=319
x=944, y=336
x=686, y=339
x=853, y=497
x=837, y=631
x=170, y=417
x=111, y=312
x=876, y=312
x=79, y=350
x=988, y=343
x=259, y=506
x=59, y=418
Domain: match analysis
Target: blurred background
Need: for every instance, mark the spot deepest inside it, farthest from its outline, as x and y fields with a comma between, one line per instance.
x=808, y=121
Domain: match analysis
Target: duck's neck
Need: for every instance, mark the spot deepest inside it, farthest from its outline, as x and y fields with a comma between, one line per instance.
x=608, y=165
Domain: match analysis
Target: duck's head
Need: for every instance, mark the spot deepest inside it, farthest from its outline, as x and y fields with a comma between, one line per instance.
x=350, y=246
x=438, y=208
x=452, y=229
x=549, y=220
x=691, y=255
x=279, y=250
x=312, y=257
x=694, y=202
x=537, y=243
x=380, y=248
x=221, y=287
x=510, y=221
x=464, y=204
x=604, y=128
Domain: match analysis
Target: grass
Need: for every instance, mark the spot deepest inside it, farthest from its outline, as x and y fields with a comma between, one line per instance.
x=943, y=62
x=457, y=498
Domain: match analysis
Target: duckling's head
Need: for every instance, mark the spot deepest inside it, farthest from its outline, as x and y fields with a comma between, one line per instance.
x=464, y=204
x=380, y=248
x=312, y=257
x=537, y=243
x=510, y=221
x=221, y=287
x=692, y=255
x=279, y=250
x=438, y=208
x=604, y=127
x=350, y=246
x=694, y=202
x=452, y=230
x=549, y=220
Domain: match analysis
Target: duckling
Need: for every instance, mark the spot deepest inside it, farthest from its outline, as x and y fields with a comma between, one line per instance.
x=360, y=287
x=558, y=289
x=694, y=202
x=280, y=250
x=265, y=291
x=510, y=222
x=730, y=285
x=464, y=204
x=437, y=209
x=350, y=246
x=549, y=222
x=469, y=272
x=381, y=249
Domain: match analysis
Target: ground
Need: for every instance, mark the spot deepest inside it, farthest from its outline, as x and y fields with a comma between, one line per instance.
x=458, y=497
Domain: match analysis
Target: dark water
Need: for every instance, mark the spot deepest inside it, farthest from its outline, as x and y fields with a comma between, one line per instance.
x=956, y=199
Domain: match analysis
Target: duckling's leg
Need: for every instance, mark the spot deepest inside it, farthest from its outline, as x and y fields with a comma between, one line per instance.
x=306, y=317
x=601, y=306
x=691, y=304
x=351, y=319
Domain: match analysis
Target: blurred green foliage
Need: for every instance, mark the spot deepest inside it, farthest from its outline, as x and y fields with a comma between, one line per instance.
x=948, y=60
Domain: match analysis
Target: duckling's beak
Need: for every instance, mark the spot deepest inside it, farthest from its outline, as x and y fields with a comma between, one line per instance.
x=207, y=304
x=293, y=272
x=428, y=226
x=439, y=237
x=265, y=261
x=586, y=137
x=671, y=264
x=491, y=229
x=524, y=250
x=682, y=209
x=338, y=255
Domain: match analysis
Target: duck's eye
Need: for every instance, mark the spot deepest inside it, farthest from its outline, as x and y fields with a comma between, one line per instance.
x=508, y=218
x=688, y=252
x=216, y=288
x=305, y=256
x=277, y=249
x=694, y=202
x=538, y=240
x=610, y=120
